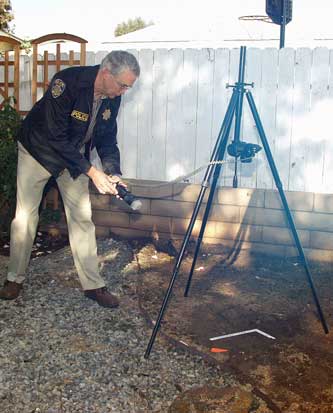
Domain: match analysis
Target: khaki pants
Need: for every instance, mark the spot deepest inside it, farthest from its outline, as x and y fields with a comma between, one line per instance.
x=31, y=179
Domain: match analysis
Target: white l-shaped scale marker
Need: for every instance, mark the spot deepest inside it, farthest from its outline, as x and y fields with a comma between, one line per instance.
x=256, y=330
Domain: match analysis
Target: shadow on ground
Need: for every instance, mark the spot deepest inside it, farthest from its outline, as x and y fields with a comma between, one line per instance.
x=294, y=369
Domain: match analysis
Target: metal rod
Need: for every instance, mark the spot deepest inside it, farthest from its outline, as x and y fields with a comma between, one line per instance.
x=240, y=91
x=279, y=186
x=239, y=107
x=283, y=24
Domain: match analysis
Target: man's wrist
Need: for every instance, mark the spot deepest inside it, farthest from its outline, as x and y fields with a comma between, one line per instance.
x=91, y=172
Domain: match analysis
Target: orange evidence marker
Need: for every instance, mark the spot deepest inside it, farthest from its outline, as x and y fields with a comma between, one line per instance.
x=218, y=350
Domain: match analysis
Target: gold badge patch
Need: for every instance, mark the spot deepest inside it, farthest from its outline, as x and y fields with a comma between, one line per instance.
x=58, y=88
x=106, y=114
x=80, y=115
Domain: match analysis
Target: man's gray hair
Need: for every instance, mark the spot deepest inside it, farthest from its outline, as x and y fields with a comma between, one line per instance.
x=118, y=60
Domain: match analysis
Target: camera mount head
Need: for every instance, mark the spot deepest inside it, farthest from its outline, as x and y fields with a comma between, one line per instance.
x=243, y=150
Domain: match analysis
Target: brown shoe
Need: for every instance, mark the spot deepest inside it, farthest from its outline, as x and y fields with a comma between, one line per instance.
x=10, y=290
x=103, y=297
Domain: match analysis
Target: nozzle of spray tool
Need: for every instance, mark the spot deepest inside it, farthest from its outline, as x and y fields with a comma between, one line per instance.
x=128, y=197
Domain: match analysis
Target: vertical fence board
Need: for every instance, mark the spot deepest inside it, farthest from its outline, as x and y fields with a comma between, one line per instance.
x=189, y=113
x=90, y=59
x=145, y=104
x=319, y=119
x=248, y=171
x=11, y=74
x=330, y=80
x=175, y=126
x=328, y=165
x=52, y=68
x=159, y=113
x=281, y=149
x=129, y=141
x=63, y=56
x=229, y=169
x=268, y=100
x=120, y=134
x=25, y=83
x=298, y=171
x=204, y=109
x=221, y=95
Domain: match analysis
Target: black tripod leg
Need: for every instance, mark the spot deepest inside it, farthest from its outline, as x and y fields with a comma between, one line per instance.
x=221, y=138
x=175, y=271
x=285, y=205
x=207, y=210
x=203, y=227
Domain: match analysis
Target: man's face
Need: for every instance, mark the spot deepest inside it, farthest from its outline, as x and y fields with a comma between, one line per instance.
x=116, y=85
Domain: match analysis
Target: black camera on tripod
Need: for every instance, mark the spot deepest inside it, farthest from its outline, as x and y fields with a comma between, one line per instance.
x=243, y=150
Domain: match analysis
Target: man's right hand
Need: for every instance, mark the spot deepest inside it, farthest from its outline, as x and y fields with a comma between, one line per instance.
x=104, y=183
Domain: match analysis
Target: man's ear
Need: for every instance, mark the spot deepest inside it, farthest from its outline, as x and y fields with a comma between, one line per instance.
x=105, y=71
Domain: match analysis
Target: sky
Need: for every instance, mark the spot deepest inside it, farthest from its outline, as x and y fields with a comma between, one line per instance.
x=96, y=20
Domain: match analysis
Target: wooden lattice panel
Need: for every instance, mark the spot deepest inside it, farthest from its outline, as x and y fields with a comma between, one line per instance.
x=45, y=62
x=7, y=84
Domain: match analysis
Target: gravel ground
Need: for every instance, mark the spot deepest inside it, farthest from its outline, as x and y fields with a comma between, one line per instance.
x=62, y=353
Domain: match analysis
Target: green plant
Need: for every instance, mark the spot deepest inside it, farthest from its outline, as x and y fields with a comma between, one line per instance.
x=130, y=26
x=10, y=122
x=6, y=15
x=26, y=46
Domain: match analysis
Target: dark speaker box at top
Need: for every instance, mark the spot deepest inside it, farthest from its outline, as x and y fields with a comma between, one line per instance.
x=274, y=9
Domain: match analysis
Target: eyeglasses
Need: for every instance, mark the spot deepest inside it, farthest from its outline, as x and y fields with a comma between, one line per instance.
x=122, y=86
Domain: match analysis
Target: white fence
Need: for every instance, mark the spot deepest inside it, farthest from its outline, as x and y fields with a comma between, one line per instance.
x=170, y=120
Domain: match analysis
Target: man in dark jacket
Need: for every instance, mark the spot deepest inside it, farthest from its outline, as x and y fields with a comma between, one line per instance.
x=74, y=122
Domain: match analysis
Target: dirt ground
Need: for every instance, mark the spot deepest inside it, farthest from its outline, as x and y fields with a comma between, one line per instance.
x=232, y=294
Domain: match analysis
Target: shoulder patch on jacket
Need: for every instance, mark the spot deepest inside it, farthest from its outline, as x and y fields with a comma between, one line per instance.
x=58, y=88
x=80, y=115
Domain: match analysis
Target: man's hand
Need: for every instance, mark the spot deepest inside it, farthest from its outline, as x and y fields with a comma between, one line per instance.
x=105, y=184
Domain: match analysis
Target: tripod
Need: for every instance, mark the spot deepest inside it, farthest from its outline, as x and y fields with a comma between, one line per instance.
x=244, y=151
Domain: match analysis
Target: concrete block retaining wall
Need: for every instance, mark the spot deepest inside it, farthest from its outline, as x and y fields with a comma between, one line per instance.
x=251, y=219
